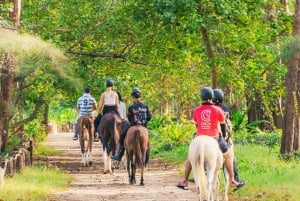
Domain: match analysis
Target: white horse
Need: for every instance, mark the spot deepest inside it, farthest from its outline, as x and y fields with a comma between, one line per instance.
x=206, y=159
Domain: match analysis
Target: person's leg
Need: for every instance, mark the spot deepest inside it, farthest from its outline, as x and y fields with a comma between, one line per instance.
x=235, y=170
x=229, y=166
x=118, y=156
x=75, y=136
x=228, y=161
x=96, y=124
x=188, y=168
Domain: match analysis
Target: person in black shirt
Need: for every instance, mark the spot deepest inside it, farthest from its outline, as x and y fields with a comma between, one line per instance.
x=138, y=114
x=219, y=101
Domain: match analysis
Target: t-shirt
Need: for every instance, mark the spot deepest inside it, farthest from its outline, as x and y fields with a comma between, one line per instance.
x=139, y=114
x=86, y=104
x=207, y=118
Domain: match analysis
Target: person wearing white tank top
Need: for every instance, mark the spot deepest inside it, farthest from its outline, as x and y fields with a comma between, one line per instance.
x=109, y=102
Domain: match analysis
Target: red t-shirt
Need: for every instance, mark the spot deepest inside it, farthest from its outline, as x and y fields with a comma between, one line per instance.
x=207, y=118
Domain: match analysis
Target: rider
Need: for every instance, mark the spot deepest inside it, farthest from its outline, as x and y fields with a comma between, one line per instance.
x=109, y=101
x=86, y=104
x=207, y=117
x=138, y=114
x=122, y=108
x=218, y=100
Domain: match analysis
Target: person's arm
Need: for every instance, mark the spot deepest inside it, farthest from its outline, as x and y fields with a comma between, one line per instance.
x=117, y=101
x=223, y=129
x=149, y=115
x=130, y=114
x=101, y=103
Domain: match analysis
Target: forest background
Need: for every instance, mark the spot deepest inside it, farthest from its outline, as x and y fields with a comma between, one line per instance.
x=167, y=48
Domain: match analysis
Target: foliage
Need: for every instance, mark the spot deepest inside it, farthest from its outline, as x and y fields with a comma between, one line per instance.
x=13, y=141
x=158, y=122
x=62, y=114
x=35, y=131
x=174, y=135
x=34, y=183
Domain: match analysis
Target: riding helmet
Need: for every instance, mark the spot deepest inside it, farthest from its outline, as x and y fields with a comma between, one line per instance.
x=218, y=96
x=109, y=83
x=136, y=93
x=87, y=90
x=206, y=93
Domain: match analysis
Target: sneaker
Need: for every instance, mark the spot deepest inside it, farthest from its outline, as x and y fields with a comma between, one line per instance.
x=75, y=138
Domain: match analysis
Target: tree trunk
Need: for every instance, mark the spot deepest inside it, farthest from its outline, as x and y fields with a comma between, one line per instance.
x=291, y=124
x=210, y=55
x=7, y=65
x=16, y=14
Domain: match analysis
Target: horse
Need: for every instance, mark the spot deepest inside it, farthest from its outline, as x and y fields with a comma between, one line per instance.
x=85, y=129
x=109, y=131
x=206, y=159
x=136, y=144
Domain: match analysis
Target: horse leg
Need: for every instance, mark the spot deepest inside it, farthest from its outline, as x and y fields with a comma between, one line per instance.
x=89, y=158
x=142, y=175
x=128, y=168
x=111, y=170
x=133, y=173
x=104, y=156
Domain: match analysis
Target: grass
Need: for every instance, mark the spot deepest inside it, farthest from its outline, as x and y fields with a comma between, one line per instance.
x=268, y=178
x=43, y=150
x=35, y=183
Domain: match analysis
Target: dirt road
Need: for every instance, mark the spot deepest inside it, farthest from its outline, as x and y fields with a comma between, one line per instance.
x=91, y=184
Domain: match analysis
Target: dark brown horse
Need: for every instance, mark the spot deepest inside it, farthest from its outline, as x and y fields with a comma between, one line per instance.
x=109, y=129
x=85, y=129
x=136, y=144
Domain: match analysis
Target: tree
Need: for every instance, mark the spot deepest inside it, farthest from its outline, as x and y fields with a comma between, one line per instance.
x=290, y=141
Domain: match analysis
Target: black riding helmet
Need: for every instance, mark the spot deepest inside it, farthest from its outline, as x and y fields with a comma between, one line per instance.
x=136, y=93
x=218, y=96
x=109, y=83
x=206, y=93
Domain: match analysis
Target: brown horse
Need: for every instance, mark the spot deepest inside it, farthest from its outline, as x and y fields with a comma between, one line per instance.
x=136, y=144
x=85, y=129
x=109, y=130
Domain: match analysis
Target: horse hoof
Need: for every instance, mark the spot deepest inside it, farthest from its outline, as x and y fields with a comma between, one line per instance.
x=90, y=163
x=142, y=184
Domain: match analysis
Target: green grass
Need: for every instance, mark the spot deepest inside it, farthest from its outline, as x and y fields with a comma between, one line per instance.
x=268, y=178
x=34, y=184
x=44, y=150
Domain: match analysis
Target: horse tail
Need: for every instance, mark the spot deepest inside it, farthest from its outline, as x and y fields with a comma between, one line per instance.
x=197, y=158
x=114, y=134
x=137, y=147
x=203, y=178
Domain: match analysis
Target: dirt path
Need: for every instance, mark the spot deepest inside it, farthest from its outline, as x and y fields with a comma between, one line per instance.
x=91, y=184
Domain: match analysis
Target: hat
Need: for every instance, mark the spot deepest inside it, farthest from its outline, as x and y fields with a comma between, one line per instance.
x=109, y=83
x=87, y=90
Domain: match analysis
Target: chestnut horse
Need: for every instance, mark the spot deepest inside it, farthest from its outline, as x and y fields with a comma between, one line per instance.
x=206, y=159
x=109, y=129
x=85, y=129
x=136, y=144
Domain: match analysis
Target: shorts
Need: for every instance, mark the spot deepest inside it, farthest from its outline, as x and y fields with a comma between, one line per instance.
x=222, y=144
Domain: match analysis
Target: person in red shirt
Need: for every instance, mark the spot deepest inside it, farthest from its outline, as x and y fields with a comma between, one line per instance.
x=207, y=118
